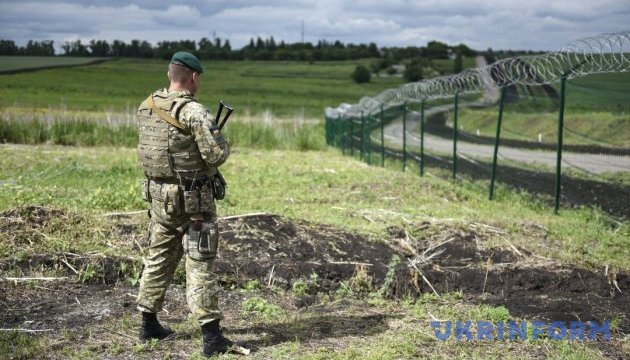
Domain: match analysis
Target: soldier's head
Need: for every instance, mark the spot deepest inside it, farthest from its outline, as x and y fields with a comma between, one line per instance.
x=184, y=72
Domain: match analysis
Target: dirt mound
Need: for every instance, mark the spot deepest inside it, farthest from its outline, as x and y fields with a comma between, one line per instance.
x=325, y=259
x=276, y=251
x=281, y=252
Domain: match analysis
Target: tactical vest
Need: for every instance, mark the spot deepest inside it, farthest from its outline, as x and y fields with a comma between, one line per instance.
x=165, y=151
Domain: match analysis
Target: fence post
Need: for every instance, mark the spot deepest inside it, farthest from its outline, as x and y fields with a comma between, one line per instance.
x=352, y=137
x=362, y=149
x=339, y=132
x=368, y=139
x=496, y=144
x=455, y=136
x=563, y=81
x=404, y=136
x=343, y=136
x=382, y=137
x=422, y=138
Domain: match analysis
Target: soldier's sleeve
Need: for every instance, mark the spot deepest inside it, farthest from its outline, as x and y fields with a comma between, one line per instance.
x=213, y=147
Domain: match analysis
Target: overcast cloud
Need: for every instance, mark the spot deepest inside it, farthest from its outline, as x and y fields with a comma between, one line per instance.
x=532, y=24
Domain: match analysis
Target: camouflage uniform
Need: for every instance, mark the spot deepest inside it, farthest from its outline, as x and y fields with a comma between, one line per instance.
x=183, y=214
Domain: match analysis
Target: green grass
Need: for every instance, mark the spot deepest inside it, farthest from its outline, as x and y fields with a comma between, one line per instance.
x=604, y=128
x=318, y=186
x=87, y=131
x=599, y=92
x=13, y=63
x=284, y=88
x=18, y=345
x=446, y=66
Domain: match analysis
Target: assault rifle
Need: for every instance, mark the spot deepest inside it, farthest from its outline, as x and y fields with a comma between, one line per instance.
x=218, y=183
x=221, y=123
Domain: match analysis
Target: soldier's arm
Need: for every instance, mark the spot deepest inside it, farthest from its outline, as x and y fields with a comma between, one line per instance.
x=213, y=147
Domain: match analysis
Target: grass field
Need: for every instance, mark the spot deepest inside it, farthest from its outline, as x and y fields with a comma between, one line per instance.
x=15, y=63
x=284, y=88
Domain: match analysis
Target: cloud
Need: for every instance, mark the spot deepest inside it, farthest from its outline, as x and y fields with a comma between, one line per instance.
x=535, y=24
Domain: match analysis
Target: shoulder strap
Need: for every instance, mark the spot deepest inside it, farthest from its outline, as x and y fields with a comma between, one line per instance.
x=165, y=116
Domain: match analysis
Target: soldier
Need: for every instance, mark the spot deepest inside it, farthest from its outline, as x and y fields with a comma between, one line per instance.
x=180, y=149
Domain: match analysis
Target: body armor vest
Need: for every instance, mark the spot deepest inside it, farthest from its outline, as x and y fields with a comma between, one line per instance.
x=165, y=151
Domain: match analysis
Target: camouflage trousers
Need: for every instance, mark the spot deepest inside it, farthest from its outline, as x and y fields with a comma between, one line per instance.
x=169, y=240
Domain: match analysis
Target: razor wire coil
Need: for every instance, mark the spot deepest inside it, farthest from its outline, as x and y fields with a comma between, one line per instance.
x=604, y=53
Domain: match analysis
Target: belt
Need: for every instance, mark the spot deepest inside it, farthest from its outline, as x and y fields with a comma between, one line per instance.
x=194, y=184
x=156, y=186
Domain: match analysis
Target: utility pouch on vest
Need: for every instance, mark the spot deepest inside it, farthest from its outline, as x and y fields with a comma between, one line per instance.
x=191, y=202
x=172, y=199
x=203, y=240
x=207, y=200
x=146, y=194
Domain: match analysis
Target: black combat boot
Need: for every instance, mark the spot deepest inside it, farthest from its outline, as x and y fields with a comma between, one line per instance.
x=151, y=328
x=214, y=342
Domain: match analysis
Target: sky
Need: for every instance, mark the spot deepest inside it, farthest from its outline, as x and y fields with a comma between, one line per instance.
x=480, y=24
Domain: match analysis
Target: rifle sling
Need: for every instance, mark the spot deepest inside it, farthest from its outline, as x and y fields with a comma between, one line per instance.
x=165, y=116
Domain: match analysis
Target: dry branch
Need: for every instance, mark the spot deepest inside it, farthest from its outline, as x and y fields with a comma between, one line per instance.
x=14, y=279
x=124, y=213
x=244, y=216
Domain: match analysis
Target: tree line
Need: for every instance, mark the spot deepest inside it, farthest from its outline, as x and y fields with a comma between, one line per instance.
x=33, y=48
x=256, y=49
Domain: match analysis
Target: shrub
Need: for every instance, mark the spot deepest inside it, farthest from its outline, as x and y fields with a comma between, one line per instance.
x=413, y=72
x=361, y=74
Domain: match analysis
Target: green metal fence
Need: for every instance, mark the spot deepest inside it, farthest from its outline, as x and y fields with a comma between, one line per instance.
x=569, y=141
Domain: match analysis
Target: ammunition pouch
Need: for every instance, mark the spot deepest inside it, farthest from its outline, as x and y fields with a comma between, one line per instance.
x=190, y=198
x=202, y=240
x=218, y=186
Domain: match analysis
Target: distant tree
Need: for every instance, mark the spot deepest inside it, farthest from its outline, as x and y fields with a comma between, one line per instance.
x=436, y=50
x=38, y=48
x=271, y=44
x=413, y=72
x=146, y=50
x=373, y=50
x=465, y=50
x=206, y=48
x=75, y=48
x=119, y=48
x=99, y=48
x=227, y=46
x=8, y=47
x=361, y=74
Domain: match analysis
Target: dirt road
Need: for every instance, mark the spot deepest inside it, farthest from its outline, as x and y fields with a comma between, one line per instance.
x=593, y=163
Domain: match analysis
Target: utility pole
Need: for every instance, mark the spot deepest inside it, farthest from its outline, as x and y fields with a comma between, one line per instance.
x=302, y=31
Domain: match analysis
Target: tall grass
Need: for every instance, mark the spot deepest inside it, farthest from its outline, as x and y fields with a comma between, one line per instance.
x=61, y=127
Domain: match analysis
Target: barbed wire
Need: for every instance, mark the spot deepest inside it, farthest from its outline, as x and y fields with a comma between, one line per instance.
x=604, y=53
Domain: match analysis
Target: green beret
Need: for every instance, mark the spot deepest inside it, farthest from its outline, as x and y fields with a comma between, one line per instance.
x=188, y=60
